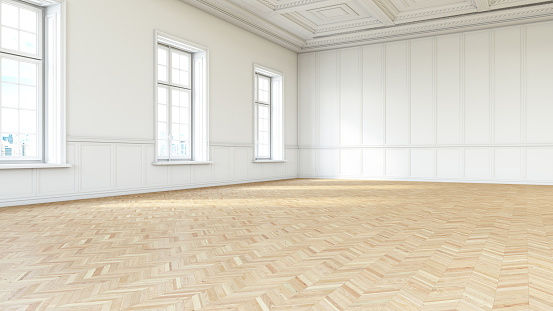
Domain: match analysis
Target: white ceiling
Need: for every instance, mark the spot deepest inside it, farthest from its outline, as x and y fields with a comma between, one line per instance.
x=312, y=25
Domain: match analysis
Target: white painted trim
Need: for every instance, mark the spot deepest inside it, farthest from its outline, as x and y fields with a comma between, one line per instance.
x=162, y=163
x=32, y=165
x=437, y=180
x=111, y=193
x=269, y=161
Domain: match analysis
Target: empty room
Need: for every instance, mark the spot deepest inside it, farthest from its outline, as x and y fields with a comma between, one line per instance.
x=362, y=155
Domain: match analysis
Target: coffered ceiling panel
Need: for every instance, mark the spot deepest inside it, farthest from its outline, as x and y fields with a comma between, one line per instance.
x=311, y=25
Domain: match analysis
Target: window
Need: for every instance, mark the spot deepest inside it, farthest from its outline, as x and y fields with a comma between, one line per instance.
x=32, y=127
x=181, y=105
x=268, y=115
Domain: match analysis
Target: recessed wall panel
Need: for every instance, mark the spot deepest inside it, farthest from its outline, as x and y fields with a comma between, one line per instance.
x=448, y=89
x=96, y=167
x=539, y=164
x=448, y=163
x=422, y=91
x=329, y=104
x=373, y=163
x=508, y=163
x=373, y=95
x=329, y=162
x=507, y=85
x=477, y=87
x=423, y=163
x=351, y=162
x=307, y=81
x=350, y=97
x=397, y=163
x=128, y=166
x=397, y=96
x=477, y=163
x=539, y=90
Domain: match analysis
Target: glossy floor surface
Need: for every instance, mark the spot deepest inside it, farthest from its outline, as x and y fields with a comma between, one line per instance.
x=285, y=245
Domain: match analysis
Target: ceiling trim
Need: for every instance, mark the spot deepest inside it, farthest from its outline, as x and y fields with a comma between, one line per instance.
x=477, y=17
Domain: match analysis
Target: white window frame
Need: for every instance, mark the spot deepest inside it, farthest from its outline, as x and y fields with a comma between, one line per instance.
x=199, y=104
x=276, y=104
x=52, y=84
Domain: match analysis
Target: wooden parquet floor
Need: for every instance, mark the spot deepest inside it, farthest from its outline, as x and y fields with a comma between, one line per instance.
x=285, y=245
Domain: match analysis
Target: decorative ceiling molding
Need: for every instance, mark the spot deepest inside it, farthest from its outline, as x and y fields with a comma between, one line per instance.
x=314, y=25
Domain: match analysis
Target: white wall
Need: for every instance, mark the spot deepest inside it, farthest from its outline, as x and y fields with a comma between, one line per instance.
x=110, y=104
x=474, y=106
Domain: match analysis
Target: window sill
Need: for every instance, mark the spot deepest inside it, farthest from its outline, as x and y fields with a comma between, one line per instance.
x=32, y=165
x=269, y=161
x=162, y=163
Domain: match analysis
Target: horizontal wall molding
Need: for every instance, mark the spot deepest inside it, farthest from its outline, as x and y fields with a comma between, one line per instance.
x=429, y=146
x=110, y=140
x=435, y=180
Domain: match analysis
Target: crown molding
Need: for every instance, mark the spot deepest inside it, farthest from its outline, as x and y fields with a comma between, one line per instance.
x=369, y=34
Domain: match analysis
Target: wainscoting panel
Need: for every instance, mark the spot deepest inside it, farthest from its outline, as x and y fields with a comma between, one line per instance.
x=104, y=167
x=465, y=107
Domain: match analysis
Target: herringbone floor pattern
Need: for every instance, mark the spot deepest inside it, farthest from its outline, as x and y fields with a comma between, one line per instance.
x=286, y=245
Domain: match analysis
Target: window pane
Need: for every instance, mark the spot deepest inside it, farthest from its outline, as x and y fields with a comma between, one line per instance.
x=27, y=121
x=263, y=111
x=264, y=138
x=185, y=99
x=185, y=78
x=28, y=73
x=27, y=97
x=175, y=115
x=10, y=15
x=175, y=134
x=28, y=146
x=184, y=116
x=27, y=42
x=10, y=95
x=162, y=95
x=175, y=97
x=162, y=73
x=185, y=62
x=10, y=38
x=175, y=76
x=263, y=151
x=162, y=130
x=175, y=60
x=28, y=20
x=162, y=148
x=8, y=144
x=263, y=84
x=162, y=56
x=263, y=96
x=10, y=70
x=162, y=113
x=9, y=120
x=184, y=132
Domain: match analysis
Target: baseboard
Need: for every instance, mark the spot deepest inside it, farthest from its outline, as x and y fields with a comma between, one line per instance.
x=467, y=181
x=113, y=193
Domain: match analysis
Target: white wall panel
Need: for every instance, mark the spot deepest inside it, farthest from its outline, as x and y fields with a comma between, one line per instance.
x=477, y=163
x=351, y=162
x=473, y=106
x=373, y=95
x=308, y=159
x=539, y=90
x=128, y=166
x=448, y=163
x=539, y=164
x=61, y=180
x=16, y=183
x=155, y=175
x=397, y=163
x=477, y=88
x=241, y=161
x=329, y=162
x=448, y=83
x=374, y=163
x=508, y=163
x=329, y=105
x=423, y=163
x=422, y=91
x=292, y=162
x=180, y=174
x=307, y=97
x=222, y=162
x=397, y=95
x=507, y=85
x=351, y=116
x=96, y=167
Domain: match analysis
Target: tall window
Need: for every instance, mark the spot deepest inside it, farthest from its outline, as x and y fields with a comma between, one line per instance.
x=268, y=123
x=21, y=63
x=32, y=83
x=181, y=105
x=264, y=116
x=174, y=104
